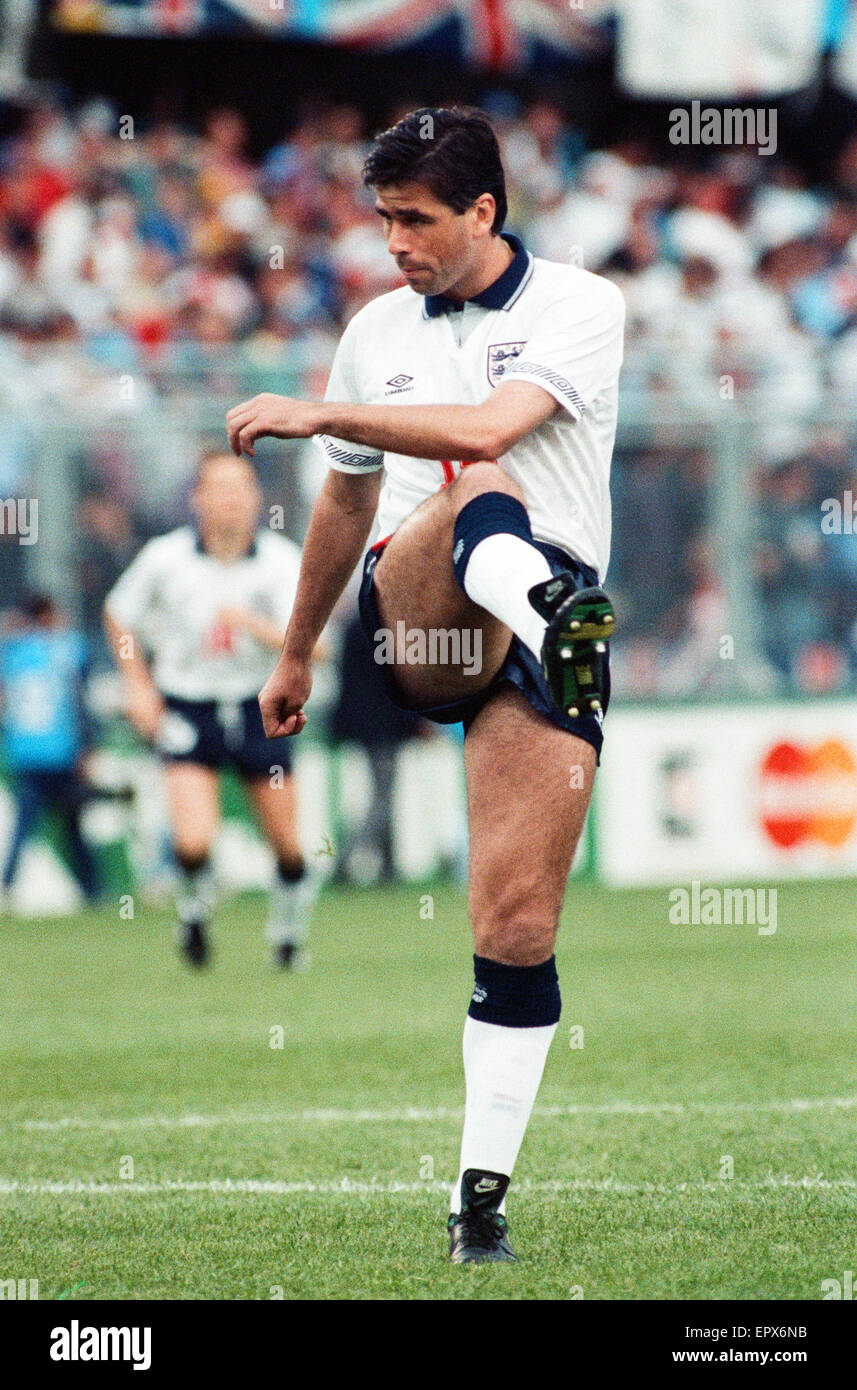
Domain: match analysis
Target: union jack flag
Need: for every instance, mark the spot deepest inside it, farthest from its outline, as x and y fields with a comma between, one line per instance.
x=494, y=35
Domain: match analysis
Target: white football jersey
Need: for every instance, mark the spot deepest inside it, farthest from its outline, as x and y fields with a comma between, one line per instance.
x=556, y=325
x=172, y=595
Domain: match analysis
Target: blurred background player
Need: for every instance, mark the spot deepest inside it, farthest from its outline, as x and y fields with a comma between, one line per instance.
x=42, y=671
x=192, y=624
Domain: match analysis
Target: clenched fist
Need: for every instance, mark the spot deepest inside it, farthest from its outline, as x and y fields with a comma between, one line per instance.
x=283, y=697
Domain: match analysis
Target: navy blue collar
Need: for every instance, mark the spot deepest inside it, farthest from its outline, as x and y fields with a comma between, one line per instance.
x=201, y=550
x=500, y=294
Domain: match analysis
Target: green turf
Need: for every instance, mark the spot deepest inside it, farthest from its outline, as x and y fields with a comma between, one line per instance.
x=133, y=1060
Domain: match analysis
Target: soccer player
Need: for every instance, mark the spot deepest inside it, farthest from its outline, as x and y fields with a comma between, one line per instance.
x=208, y=603
x=486, y=388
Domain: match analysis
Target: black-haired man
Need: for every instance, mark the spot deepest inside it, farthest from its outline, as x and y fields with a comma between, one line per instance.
x=490, y=403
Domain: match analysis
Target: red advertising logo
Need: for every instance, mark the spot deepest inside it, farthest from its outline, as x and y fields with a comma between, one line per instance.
x=809, y=795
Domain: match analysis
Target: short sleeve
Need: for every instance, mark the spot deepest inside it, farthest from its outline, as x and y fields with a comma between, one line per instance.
x=574, y=355
x=129, y=600
x=342, y=386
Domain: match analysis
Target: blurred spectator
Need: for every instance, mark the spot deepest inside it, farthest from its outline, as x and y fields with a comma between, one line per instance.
x=42, y=667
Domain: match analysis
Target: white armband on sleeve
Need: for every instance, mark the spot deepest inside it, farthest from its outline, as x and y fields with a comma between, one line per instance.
x=348, y=458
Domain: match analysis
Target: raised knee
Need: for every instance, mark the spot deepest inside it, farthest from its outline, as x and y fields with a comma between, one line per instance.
x=476, y=478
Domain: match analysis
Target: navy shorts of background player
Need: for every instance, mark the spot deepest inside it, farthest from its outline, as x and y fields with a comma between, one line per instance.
x=221, y=734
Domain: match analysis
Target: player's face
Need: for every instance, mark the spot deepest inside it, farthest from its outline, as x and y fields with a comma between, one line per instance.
x=433, y=246
x=227, y=496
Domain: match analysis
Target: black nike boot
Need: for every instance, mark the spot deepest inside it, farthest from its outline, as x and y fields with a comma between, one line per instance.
x=477, y=1234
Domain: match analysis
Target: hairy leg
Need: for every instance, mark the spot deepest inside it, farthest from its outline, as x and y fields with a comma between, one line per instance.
x=528, y=789
x=529, y=785
x=415, y=584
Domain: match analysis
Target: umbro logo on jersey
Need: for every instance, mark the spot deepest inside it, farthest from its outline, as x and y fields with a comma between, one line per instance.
x=479, y=995
x=398, y=383
x=486, y=1185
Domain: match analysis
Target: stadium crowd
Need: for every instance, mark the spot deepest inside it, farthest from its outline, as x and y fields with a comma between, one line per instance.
x=148, y=267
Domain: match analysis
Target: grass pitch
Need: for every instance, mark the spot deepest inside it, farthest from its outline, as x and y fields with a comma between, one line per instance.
x=242, y=1134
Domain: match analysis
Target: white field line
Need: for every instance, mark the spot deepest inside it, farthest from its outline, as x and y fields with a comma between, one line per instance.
x=418, y=1115
x=377, y=1187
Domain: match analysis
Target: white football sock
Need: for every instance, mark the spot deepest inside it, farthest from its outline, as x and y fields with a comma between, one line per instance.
x=195, y=893
x=503, y=1071
x=290, y=909
x=500, y=572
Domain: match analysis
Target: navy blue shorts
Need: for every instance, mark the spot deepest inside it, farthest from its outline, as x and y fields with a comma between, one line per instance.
x=520, y=669
x=220, y=734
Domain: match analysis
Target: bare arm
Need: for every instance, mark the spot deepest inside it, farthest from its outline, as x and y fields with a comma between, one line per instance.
x=338, y=530
x=465, y=432
x=144, y=705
